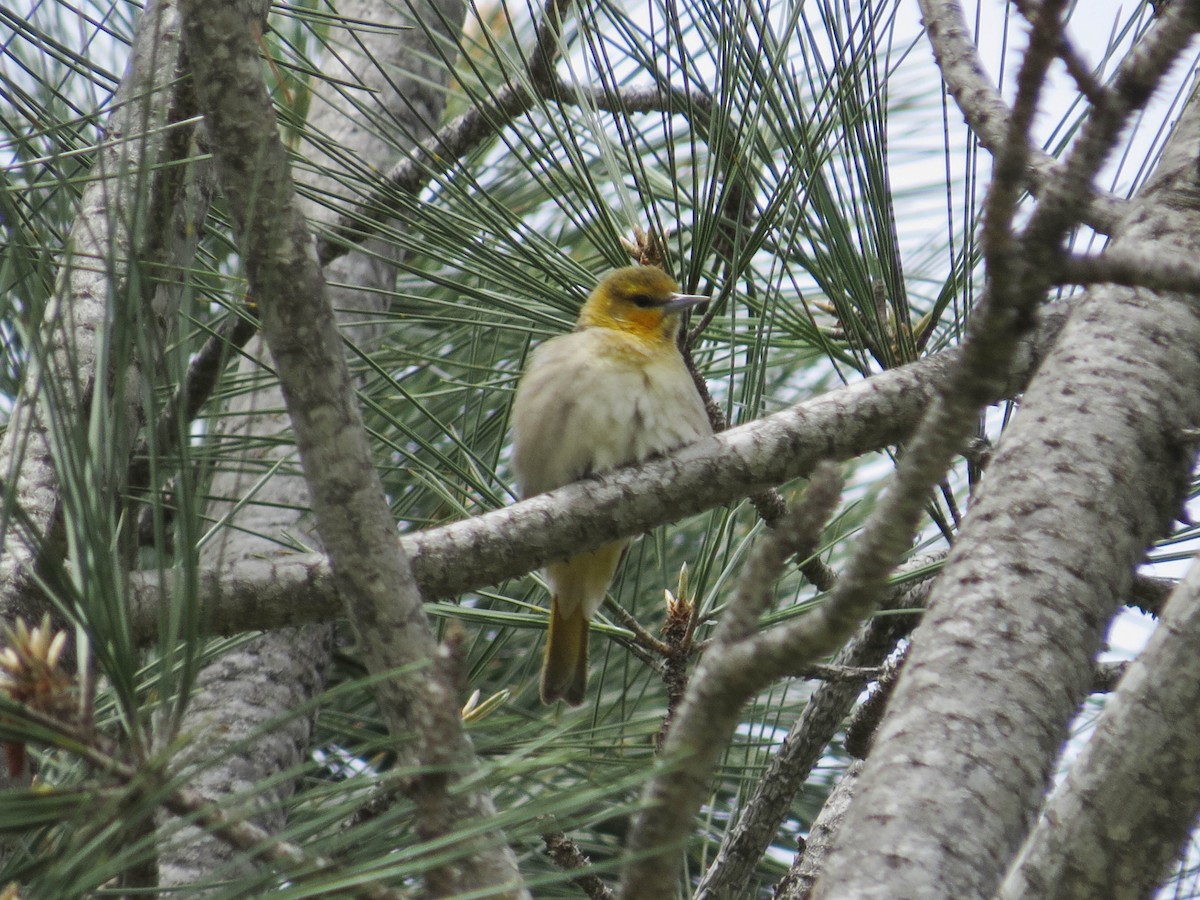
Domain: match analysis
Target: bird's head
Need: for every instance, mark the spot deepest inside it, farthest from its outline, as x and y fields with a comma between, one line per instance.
x=640, y=300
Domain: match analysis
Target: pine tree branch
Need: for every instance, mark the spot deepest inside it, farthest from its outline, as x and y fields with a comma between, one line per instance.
x=1077, y=67
x=1131, y=796
x=705, y=721
x=845, y=423
x=986, y=112
x=198, y=384
x=1001, y=250
x=1040, y=519
x=61, y=372
x=1062, y=204
x=1162, y=272
x=482, y=121
x=369, y=567
x=292, y=860
x=798, y=884
x=759, y=820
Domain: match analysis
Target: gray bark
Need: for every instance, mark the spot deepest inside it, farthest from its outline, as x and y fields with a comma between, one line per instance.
x=1129, y=803
x=394, y=103
x=799, y=883
x=1089, y=473
x=61, y=372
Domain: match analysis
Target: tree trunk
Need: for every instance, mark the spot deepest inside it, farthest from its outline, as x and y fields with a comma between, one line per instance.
x=395, y=76
x=1090, y=472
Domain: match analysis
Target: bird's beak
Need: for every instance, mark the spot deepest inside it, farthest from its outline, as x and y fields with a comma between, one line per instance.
x=680, y=302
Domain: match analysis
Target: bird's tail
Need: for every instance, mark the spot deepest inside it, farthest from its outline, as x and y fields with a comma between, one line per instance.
x=565, y=667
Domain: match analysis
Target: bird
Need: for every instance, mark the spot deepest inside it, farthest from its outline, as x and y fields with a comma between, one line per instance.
x=615, y=390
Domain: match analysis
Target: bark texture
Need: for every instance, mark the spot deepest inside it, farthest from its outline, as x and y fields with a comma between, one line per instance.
x=383, y=71
x=237, y=697
x=62, y=370
x=1090, y=472
x=799, y=883
x=1129, y=803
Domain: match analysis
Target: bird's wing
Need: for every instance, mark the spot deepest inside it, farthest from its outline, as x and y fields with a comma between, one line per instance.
x=669, y=408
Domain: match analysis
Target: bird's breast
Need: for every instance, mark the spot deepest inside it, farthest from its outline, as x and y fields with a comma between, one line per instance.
x=593, y=400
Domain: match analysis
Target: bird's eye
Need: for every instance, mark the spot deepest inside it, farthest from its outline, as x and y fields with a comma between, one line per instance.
x=643, y=300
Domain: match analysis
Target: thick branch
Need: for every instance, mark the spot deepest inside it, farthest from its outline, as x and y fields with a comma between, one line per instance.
x=355, y=525
x=60, y=374
x=1098, y=457
x=985, y=111
x=1130, y=799
x=799, y=882
x=505, y=543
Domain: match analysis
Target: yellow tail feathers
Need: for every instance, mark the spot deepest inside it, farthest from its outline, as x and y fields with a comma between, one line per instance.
x=565, y=667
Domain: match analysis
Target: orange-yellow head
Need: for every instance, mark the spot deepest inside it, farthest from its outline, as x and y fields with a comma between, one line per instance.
x=640, y=300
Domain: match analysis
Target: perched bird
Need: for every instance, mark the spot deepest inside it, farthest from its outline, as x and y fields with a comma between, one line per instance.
x=615, y=390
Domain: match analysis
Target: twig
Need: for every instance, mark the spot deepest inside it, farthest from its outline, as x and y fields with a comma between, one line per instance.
x=833, y=672
x=1096, y=93
x=861, y=730
x=642, y=640
x=706, y=720
x=1002, y=253
x=198, y=384
x=257, y=843
x=1162, y=272
x=634, y=98
x=1140, y=72
x=540, y=70
x=1076, y=66
x=470, y=129
x=758, y=822
x=1150, y=594
x=986, y=112
x=568, y=857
